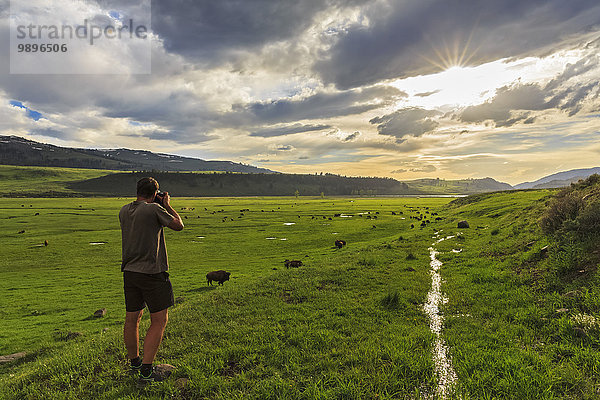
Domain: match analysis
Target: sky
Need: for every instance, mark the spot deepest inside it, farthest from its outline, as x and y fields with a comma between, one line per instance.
x=407, y=89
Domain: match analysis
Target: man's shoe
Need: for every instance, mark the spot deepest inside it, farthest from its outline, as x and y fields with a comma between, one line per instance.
x=134, y=369
x=159, y=373
x=146, y=380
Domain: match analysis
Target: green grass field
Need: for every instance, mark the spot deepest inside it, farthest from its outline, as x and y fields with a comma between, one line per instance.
x=348, y=324
x=42, y=181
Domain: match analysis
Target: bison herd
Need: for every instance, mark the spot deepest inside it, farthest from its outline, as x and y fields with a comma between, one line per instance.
x=423, y=218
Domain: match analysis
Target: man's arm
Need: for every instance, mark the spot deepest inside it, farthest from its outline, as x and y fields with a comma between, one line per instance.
x=177, y=223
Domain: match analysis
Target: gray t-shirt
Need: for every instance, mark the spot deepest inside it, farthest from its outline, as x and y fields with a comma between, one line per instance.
x=143, y=239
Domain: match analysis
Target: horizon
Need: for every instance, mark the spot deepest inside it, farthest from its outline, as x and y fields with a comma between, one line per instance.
x=403, y=90
x=325, y=172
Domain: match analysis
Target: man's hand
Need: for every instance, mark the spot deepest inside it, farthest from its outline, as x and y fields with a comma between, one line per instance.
x=177, y=223
x=166, y=199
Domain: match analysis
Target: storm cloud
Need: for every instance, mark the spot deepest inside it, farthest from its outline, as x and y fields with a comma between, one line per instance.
x=323, y=105
x=406, y=122
x=288, y=130
x=211, y=31
x=332, y=82
x=415, y=37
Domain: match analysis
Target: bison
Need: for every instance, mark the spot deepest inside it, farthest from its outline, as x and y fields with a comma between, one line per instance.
x=340, y=243
x=218, y=276
x=292, y=263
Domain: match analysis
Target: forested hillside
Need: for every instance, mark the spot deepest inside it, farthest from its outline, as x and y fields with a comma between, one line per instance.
x=218, y=184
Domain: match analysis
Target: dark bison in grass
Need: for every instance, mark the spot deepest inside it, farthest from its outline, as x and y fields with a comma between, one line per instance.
x=217, y=276
x=340, y=243
x=292, y=263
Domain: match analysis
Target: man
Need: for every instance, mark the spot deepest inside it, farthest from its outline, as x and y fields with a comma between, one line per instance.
x=145, y=276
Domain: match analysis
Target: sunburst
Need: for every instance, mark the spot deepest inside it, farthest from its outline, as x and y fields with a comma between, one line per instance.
x=457, y=53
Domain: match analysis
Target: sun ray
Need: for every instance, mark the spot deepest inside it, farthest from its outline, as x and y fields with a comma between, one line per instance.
x=453, y=53
x=462, y=60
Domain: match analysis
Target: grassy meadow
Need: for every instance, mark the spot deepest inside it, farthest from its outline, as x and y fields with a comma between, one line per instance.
x=323, y=326
x=43, y=181
x=348, y=324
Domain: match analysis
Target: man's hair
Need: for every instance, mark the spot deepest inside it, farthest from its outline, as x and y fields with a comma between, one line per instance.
x=146, y=187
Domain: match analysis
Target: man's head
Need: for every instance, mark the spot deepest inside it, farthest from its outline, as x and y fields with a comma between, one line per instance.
x=147, y=188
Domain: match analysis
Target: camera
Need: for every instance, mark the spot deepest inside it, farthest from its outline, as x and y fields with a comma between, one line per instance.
x=159, y=198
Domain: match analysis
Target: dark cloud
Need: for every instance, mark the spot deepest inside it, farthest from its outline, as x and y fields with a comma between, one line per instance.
x=427, y=94
x=515, y=104
x=415, y=37
x=352, y=136
x=406, y=122
x=49, y=132
x=581, y=67
x=288, y=130
x=208, y=30
x=287, y=147
x=322, y=105
x=575, y=102
x=501, y=108
x=399, y=171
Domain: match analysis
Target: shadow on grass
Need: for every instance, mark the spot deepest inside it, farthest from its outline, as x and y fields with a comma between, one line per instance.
x=202, y=289
x=29, y=357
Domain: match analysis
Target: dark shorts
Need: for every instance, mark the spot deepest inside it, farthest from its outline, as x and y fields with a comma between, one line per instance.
x=153, y=290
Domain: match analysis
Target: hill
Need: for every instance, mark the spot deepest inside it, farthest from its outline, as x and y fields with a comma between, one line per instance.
x=559, y=183
x=559, y=179
x=461, y=186
x=228, y=184
x=15, y=150
x=19, y=181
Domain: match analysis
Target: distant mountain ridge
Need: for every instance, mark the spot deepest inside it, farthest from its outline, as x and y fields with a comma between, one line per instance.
x=15, y=150
x=18, y=151
x=559, y=179
x=459, y=186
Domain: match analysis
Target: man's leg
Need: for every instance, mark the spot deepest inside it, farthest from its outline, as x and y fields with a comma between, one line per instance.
x=131, y=333
x=158, y=322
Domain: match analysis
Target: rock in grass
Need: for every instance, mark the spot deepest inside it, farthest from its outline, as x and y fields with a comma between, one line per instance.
x=572, y=294
x=12, y=357
x=100, y=313
x=72, y=335
x=463, y=224
x=181, y=383
x=164, y=370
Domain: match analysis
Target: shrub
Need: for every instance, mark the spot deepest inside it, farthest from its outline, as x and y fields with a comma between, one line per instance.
x=568, y=256
x=565, y=207
x=576, y=208
x=588, y=222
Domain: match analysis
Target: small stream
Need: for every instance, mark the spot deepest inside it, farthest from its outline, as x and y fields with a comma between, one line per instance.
x=435, y=298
